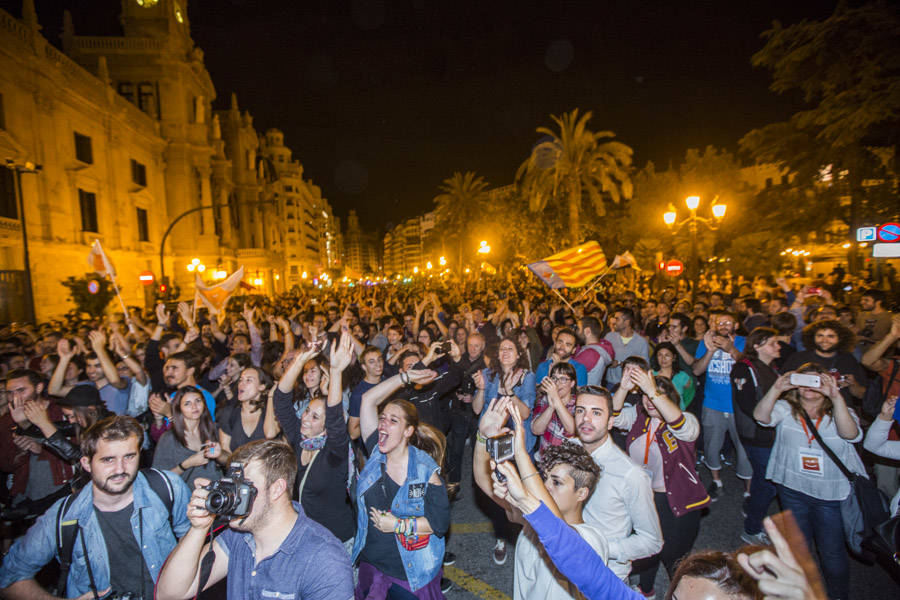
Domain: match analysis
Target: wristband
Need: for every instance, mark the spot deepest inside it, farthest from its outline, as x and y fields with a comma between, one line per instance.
x=480, y=438
x=404, y=380
x=531, y=475
x=181, y=466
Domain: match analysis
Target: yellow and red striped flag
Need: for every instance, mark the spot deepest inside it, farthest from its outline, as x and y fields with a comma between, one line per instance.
x=215, y=297
x=99, y=262
x=573, y=267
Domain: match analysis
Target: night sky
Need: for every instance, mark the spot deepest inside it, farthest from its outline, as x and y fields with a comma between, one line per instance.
x=381, y=101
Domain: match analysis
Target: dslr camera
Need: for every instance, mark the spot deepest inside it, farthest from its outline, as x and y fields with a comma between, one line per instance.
x=231, y=496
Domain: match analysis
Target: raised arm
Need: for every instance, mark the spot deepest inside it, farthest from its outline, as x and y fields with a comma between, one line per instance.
x=763, y=411
x=873, y=358
x=120, y=346
x=57, y=385
x=98, y=345
x=843, y=420
x=701, y=363
x=368, y=410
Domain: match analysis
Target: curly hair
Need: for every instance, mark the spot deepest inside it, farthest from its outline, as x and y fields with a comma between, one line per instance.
x=582, y=468
x=846, y=339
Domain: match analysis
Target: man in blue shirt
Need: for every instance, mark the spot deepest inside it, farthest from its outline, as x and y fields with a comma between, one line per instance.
x=715, y=356
x=372, y=363
x=563, y=351
x=124, y=529
x=275, y=551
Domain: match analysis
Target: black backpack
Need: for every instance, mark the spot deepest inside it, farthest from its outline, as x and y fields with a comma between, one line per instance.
x=67, y=531
x=875, y=391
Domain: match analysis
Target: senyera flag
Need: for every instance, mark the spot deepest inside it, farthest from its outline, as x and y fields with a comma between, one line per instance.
x=573, y=267
x=215, y=297
x=99, y=262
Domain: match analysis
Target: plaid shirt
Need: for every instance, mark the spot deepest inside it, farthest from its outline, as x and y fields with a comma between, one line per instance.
x=555, y=434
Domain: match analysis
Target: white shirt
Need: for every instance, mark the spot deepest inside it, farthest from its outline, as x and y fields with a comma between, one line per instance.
x=622, y=508
x=535, y=576
x=791, y=444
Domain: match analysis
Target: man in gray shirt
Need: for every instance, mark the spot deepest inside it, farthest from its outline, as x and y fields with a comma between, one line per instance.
x=626, y=342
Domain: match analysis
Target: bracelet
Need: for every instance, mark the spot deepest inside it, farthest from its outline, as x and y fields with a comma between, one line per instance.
x=402, y=380
x=480, y=438
x=181, y=466
x=527, y=476
x=124, y=356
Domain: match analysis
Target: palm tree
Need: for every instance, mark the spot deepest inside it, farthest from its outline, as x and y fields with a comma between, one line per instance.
x=460, y=206
x=575, y=164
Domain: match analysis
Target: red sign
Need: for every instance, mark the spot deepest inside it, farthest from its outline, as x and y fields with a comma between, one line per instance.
x=889, y=232
x=146, y=277
x=674, y=267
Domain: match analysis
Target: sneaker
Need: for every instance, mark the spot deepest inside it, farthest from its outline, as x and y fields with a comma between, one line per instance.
x=715, y=490
x=446, y=585
x=756, y=539
x=500, y=552
x=449, y=558
x=651, y=594
x=725, y=460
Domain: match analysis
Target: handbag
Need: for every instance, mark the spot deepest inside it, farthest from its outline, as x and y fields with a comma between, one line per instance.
x=863, y=510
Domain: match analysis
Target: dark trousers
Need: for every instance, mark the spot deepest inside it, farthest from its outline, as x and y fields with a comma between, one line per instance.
x=679, y=534
x=462, y=424
x=762, y=491
x=822, y=526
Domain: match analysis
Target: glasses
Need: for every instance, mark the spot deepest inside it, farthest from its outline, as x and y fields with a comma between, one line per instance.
x=562, y=379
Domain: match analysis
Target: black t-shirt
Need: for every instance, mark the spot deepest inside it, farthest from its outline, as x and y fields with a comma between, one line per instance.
x=127, y=569
x=229, y=421
x=842, y=363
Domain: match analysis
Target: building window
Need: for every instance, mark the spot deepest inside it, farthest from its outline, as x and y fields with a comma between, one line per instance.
x=88, y=203
x=138, y=173
x=83, y=150
x=145, y=98
x=8, y=205
x=126, y=90
x=143, y=228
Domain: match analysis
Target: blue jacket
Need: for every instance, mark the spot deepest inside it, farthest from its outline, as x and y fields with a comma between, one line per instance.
x=37, y=547
x=423, y=565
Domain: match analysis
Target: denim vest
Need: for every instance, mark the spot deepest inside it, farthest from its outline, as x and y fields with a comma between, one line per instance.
x=423, y=565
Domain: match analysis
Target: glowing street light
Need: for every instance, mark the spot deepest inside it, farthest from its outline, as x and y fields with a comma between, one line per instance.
x=415, y=269
x=718, y=210
x=483, y=247
x=429, y=266
x=670, y=215
x=442, y=261
x=692, y=202
x=201, y=267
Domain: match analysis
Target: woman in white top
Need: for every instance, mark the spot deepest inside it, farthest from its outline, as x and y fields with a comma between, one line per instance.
x=877, y=441
x=809, y=484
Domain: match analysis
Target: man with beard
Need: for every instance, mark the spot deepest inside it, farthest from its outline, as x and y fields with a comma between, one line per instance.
x=563, y=351
x=829, y=345
x=124, y=529
x=178, y=372
x=622, y=506
x=275, y=551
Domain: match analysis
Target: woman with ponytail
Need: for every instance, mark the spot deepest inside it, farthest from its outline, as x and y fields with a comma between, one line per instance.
x=403, y=510
x=320, y=440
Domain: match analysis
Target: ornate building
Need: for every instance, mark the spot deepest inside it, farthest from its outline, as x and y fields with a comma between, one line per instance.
x=360, y=254
x=129, y=148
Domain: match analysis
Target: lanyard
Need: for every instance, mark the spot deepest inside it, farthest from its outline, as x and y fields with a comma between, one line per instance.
x=650, y=435
x=810, y=438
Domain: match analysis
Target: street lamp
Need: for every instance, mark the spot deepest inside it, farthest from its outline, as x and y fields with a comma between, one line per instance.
x=18, y=169
x=483, y=247
x=693, y=222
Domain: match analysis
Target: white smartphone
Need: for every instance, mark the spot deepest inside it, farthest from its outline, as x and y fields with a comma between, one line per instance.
x=806, y=380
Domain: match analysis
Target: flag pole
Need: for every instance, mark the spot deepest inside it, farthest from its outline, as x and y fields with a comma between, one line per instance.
x=596, y=281
x=556, y=291
x=122, y=304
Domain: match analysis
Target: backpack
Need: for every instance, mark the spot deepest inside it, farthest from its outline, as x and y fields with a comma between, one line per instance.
x=67, y=531
x=876, y=391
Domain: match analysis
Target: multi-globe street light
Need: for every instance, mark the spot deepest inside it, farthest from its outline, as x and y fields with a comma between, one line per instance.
x=693, y=222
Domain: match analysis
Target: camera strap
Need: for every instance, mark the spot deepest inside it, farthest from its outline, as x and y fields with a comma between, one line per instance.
x=209, y=559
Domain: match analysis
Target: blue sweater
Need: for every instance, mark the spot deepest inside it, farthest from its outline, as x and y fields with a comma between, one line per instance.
x=575, y=558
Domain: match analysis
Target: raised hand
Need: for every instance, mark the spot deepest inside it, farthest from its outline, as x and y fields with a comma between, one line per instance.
x=65, y=349
x=493, y=421
x=342, y=353
x=186, y=315
x=778, y=573
x=37, y=414
x=162, y=315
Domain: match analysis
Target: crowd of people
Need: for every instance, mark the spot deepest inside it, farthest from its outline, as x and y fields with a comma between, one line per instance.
x=311, y=444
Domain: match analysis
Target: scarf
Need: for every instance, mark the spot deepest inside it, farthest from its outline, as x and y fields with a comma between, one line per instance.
x=315, y=443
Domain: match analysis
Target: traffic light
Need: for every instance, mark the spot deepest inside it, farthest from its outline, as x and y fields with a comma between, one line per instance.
x=163, y=290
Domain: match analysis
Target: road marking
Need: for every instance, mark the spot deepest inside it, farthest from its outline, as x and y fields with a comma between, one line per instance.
x=471, y=584
x=479, y=527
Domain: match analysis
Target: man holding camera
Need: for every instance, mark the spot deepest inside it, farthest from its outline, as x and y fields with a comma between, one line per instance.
x=271, y=549
x=123, y=528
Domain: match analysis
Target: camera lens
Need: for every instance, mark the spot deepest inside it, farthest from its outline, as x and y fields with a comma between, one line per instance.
x=218, y=502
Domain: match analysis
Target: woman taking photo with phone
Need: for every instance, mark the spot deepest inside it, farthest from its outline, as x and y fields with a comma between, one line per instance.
x=809, y=483
x=191, y=447
x=403, y=512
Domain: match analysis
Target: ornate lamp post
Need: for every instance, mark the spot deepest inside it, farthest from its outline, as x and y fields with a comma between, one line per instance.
x=693, y=222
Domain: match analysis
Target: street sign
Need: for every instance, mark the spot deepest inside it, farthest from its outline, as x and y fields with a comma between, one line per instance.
x=93, y=286
x=674, y=267
x=865, y=234
x=146, y=277
x=886, y=250
x=889, y=233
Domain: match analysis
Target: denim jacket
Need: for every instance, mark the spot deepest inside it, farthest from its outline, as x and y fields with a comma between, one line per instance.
x=525, y=391
x=37, y=547
x=423, y=565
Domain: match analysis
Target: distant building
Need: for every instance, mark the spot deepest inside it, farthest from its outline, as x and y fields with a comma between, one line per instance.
x=412, y=243
x=130, y=145
x=360, y=254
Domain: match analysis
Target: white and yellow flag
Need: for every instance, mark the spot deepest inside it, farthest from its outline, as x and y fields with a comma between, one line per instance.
x=99, y=262
x=216, y=296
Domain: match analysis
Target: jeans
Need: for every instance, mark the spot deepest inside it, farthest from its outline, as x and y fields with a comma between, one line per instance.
x=820, y=521
x=462, y=424
x=762, y=491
